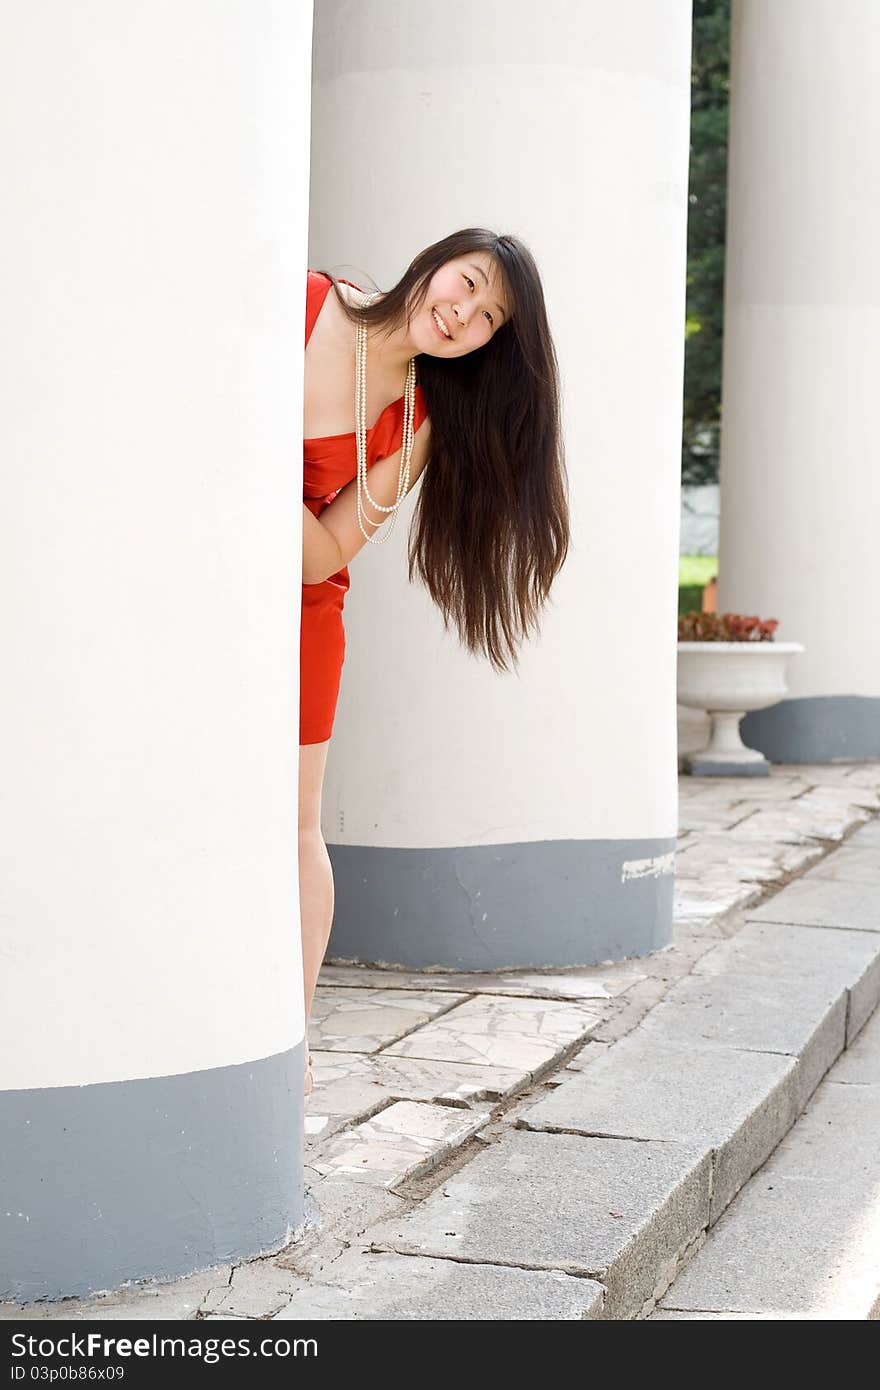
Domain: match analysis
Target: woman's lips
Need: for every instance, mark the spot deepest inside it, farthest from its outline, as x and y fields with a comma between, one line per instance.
x=440, y=334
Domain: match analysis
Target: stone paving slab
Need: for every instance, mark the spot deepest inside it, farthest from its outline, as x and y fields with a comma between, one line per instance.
x=337, y=1211
x=703, y=817
x=734, y=802
x=839, y=769
x=357, y=1083
x=865, y=774
x=780, y=951
x=588, y=1053
x=755, y=792
x=256, y=1289
x=823, y=902
x=693, y=900
x=590, y=982
x=868, y=834
x=146, y=1300
x=844, y=796
x=614, y=1210
x=521, y=1033
x=382, y=1285
x=752, y=861
x=400, y=1141
x=758, y=1013
x=709, y=1099
x=803, y=1237
x=799, y=822
x=689, y=932
x=788, y=951
x=365, y=1020
x=856, y=864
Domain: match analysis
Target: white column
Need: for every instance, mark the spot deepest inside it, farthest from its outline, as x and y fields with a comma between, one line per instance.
x=800, y=485
x=151, y=1020
x=474, y=819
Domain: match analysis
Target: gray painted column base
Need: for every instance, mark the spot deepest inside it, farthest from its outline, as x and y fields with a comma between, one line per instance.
x=494, y=907
x=816, y=729
x=152, y=1178
x=714, y=767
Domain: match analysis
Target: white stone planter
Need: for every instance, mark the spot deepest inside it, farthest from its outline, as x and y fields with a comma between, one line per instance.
x=727, y=679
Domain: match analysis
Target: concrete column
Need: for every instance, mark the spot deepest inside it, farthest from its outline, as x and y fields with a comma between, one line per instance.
x=151, y=1019
x=800, y=486
x=475, y=820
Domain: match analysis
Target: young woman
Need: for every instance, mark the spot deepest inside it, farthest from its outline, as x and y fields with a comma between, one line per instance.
x=452, y=373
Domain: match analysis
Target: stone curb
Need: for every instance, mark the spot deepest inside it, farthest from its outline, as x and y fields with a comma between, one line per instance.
x=801, y=1240
x=707, y=1085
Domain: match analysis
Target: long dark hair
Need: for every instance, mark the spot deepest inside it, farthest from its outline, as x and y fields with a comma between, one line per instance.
x=490, y=530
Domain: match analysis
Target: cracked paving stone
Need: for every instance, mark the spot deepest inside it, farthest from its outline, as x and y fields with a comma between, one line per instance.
x=399, y=1142
x=848, y=797
x=519, y=1033
x=699, y=819
x=384, y=1285
x=689, y=931
x=354, y=1083
x=258, y=1288
x=692, y=901
x=815, y=773
x=759, y=792
x=346, y=1020
x=867, y=834
x=750, y=861
x=800, y=822
x=865, y=775
x=178, y=1298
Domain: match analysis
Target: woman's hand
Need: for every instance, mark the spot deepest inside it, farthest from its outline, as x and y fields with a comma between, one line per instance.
x=331, y=541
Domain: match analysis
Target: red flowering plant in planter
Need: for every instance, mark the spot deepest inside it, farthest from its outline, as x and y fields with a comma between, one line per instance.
x=729, y=664
x=697, y=626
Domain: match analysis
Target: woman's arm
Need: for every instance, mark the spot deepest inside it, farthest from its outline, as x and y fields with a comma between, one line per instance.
x=333, y=539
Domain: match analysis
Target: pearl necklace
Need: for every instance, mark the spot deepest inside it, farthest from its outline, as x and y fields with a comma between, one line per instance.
x=360, y=413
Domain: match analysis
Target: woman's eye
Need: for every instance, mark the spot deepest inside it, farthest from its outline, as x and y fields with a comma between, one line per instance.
x=485, y=311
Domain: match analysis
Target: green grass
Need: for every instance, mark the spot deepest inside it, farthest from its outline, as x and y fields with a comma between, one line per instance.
x=696, y=569
x=694, y=572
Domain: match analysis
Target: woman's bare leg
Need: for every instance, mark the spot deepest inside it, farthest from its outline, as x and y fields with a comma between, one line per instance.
x=316, y=894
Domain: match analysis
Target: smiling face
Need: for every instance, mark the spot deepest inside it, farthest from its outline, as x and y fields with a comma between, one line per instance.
x=467, y=296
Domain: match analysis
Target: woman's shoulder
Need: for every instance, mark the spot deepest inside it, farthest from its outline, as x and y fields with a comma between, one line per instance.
x=317, y=284
x=351, y=293
x=321, y=290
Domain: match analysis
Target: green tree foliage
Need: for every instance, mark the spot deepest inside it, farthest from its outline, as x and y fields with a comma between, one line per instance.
x=707, y=199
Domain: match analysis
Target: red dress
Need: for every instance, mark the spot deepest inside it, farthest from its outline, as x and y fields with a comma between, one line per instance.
x=329, y=462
